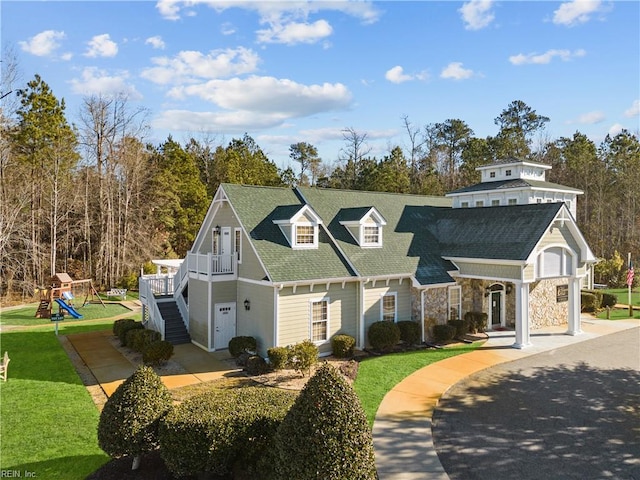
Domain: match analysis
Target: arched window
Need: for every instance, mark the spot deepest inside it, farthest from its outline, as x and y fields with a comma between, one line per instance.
x=555, y=262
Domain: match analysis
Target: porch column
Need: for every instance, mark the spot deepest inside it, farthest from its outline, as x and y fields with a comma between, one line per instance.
x=574, y=321
x=522, y=315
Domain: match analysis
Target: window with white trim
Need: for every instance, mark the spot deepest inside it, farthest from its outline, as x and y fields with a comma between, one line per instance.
x=492, y=174
x=464, y=204
x=455, y=303
x=237, y=244
x=512, y=201
x=507, y=173
x=388, y=307
x=319, y=320
x=495, y=203
x=305, y=235
x=371, y=236
x=480, y=203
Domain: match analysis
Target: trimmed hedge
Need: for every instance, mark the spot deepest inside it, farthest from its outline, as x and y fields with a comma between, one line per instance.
x=256, y=365
x=443, y=333
x=157, y=353
x=609, y=300
x=239, y=345
x=119, y=324
x=278, y=357
x=212, y=433
x=129, y=421
x=461, y=326
x=591, y=300
x=343, y=345
x=409, y=332
x=142, y=338
x=383, y=335
x=477, y=321
x=303, y=356
x=325, y=433
x=125, y=328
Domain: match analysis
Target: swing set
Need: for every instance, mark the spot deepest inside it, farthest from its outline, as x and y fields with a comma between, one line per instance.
x=63, y=291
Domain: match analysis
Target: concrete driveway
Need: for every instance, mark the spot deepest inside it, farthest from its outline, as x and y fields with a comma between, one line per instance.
x=569, y=413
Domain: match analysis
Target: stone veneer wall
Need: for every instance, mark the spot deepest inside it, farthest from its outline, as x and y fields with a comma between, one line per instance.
x=435, y=307
x=544, y=310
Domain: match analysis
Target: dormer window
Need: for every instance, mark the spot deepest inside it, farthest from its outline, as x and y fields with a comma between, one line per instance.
x=299, y=224
x=364, y=224
x=507, y=173
x=492, y=174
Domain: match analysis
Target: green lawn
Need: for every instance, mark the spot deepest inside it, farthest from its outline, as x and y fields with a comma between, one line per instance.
x=623, y=295
x=91, y=311
x=47, y=418
x=378, y=375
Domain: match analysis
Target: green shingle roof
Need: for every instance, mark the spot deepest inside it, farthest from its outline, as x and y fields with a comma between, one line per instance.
x=513, y=184
x=420, y=231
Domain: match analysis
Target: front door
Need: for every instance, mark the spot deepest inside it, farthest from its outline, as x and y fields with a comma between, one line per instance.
x=496, y=309
x=224, y=325
x=225, y=251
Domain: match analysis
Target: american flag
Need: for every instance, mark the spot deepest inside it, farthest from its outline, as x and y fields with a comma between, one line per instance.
x=630, y=274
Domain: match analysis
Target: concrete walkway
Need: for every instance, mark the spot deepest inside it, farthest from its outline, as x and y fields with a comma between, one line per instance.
x=402, y=429
x=111, y=368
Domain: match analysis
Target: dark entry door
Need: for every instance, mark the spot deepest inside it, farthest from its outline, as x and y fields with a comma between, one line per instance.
x=496, y=306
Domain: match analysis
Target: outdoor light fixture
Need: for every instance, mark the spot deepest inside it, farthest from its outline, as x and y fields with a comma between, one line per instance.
x=509, y=289
x=217, y=229
x=487, y=291
x=247, y=304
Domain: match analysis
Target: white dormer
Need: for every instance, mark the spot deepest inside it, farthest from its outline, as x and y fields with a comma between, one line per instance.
x=300, y=229
x=511, y=169
x=365, y=226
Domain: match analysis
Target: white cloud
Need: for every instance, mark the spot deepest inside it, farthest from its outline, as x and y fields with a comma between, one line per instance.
x=269, y=96
x=43, y=44
x=544, y=58
x=292, y=33
x=397, y=75
x=576, y=11
x=101, y=46
x=96, y=82
x=227, y=29
x=477, y=14
x=615, y=129
x=155, y=42
x=188, y=66
x=634, y=110
x=455, y=71
x=218, y=122
x=588, y=118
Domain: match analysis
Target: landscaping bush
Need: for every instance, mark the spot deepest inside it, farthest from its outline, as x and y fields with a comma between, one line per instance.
x=409, y=332
x=256, y=365
x=126, y=327
x=278, y=357
x=303, y=356
x=157, y=353
x=383, y=335
x=213, y=433
x=588, y=301
x=609, y=300
x=477, y=321
x=461, y=326
x=141, y=339
x=128, y=423
x=443, y=333
x=344, y=449
x=238, y=345
x=343, y=345
x=119, y=324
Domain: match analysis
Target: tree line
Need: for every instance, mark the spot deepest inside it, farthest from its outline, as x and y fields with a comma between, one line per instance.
x=93, y=199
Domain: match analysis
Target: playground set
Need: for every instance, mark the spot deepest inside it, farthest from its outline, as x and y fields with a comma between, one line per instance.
x=61, y=292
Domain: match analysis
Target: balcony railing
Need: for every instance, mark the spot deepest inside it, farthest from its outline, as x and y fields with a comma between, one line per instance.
x=211, y=265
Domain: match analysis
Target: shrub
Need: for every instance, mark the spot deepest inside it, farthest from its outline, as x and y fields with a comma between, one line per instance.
x=343, y=345
x=477, y=321
x=256, y=365
x=589, y=301
x=119, y=324
x=303, y=356
x=383, y=335
x=128, y=423
x=157, y=353
x=209, y=433
x=278, y=357
x=344, y=450
x=443, y=333
x=126, y=327
x=141, y=339
x=238, y=345
x=461, y=326
x=409, y=332
x=608, y=300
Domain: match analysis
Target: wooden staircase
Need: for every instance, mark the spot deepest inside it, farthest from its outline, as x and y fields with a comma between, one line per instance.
x=44, y=309
x=175, y=331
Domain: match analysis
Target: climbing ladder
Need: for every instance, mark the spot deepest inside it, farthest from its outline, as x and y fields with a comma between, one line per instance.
x=44, y=309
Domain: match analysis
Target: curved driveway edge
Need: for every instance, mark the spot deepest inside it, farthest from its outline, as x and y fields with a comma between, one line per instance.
x=402, y=429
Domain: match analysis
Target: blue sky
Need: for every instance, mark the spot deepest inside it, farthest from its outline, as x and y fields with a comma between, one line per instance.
x=287, y=72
